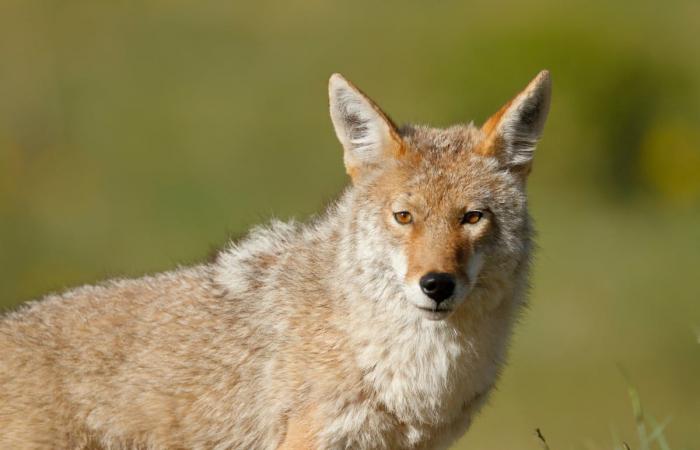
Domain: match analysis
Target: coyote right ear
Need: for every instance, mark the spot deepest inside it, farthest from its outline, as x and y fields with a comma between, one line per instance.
x=368, y=136
x=512, y=133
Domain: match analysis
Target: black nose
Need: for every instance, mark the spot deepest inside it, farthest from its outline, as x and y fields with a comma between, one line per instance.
x=437, y=286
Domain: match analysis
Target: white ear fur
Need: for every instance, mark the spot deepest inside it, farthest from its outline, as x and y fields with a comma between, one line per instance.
x=512, y=133
x=367, y=134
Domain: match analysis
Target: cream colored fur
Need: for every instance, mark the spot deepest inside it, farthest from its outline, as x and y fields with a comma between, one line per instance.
x=300, y=335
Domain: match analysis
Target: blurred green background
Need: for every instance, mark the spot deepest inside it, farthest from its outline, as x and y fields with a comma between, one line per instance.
x=138, y=135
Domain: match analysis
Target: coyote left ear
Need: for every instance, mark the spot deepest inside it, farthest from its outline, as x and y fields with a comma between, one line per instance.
x=368, y=136
x=512, y=133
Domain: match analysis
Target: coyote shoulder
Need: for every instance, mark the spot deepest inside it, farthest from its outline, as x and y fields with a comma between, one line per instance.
x=382, y=324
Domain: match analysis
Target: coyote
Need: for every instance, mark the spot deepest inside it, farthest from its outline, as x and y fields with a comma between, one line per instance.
x=381, y=324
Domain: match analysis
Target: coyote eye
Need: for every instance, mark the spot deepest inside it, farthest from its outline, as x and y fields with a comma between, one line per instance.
x=403, y=217
x=472, y=217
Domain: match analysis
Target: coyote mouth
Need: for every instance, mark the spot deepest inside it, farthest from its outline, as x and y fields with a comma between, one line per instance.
x=435, y=313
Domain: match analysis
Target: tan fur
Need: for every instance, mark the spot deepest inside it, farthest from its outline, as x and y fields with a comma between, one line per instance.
x=300, y=433
x=301, y=335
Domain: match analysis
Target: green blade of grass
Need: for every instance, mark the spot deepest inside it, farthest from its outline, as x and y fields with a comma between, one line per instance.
x=657, y=433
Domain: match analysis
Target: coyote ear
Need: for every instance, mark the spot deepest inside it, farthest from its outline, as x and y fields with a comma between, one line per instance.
x=512, y=133
x=368, y=136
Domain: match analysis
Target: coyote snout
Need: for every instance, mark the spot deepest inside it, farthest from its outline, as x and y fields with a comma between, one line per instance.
x=437, y=294
x=438, y=286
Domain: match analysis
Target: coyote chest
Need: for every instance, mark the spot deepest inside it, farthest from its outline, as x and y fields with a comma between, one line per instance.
x=431, y=375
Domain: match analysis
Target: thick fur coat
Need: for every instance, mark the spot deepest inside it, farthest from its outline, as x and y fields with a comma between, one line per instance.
x=317, y=335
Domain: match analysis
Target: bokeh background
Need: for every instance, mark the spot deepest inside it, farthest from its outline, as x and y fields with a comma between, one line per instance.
x=138, y=135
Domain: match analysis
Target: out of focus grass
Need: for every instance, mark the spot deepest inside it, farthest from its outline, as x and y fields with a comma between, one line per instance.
x=136, y=135
x=650, y=434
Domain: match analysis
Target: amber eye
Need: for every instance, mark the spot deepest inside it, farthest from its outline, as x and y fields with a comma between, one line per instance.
x=472, y=217
x=403, y=217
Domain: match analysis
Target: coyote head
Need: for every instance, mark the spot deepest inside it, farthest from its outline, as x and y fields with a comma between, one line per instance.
x=443, y=210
